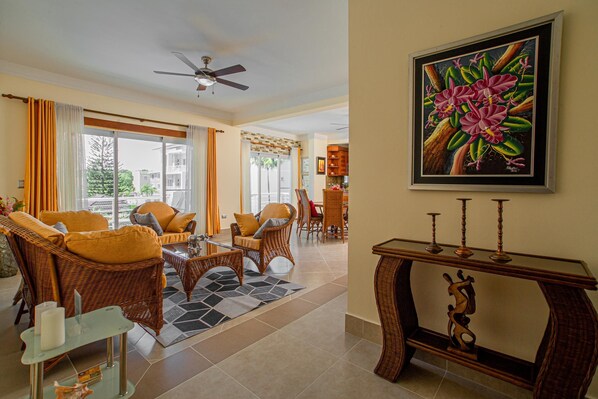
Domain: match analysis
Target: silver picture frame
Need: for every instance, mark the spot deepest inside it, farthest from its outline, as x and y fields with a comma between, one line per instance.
x=533, y=167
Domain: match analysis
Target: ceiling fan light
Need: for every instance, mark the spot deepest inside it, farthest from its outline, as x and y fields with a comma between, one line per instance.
x=205, y=80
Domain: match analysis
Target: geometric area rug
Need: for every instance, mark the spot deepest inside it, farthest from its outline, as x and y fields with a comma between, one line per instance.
x=217, y=297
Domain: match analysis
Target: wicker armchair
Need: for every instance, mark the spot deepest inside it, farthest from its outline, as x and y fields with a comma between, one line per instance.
x=274, y=242
x=51, y=273
x=190, y=227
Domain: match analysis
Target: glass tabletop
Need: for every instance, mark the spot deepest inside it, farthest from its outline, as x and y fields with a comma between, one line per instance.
x=539, y=263
x=207, y=248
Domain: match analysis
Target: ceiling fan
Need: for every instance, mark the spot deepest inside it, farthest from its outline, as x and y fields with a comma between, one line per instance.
x=344, y=126
x=205, y=76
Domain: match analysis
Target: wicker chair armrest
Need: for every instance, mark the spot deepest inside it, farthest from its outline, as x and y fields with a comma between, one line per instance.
x=191, y=227
x=234, y=231
x=272, y=233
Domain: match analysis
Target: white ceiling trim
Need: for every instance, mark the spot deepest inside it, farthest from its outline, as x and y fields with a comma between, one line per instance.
x=39, y=75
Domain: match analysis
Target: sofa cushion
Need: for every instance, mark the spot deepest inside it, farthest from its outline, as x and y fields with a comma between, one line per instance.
x=125, y=245
x=179, y=222
x=161, y=210
x=43, y=230
x=279, y=211
x=248, y=224
x=171, y=238
x=248, y=242
x=149, y=220
x=272, y=222
x=75, y=220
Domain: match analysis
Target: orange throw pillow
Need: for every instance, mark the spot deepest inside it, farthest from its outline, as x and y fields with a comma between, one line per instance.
x=248, y=224
x=179, y=222
x=29, y=222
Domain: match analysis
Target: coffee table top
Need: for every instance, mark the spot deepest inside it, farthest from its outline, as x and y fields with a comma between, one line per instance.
x=208, y=248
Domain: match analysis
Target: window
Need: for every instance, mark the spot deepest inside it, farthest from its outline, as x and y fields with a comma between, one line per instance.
x=125, y=170
x=270, y=180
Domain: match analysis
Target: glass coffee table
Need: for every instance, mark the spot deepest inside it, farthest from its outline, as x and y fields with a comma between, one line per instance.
x=212, y=254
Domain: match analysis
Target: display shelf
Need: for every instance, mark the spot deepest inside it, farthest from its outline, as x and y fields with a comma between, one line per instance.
x=338, y=160
x=107, y=388
x=97, y=325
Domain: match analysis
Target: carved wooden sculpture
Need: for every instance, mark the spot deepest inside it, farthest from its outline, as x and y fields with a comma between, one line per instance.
x=461, y=338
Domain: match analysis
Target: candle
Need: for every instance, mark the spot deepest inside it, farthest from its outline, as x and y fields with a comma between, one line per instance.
x=52, y=335
x=39, y=309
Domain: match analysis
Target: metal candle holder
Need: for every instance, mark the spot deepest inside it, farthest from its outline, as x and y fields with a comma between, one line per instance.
x=500, y=256
x=433, y=248
x=463, y=251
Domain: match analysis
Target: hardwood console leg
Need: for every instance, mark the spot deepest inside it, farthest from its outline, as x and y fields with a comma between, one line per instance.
x=397, y=315
x=568, y=354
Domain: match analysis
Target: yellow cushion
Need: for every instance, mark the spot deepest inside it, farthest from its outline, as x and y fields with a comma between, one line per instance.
x=248, y=242
x=161, y=210
x=179, y=222
x=29, y=222
x=279, y=211
x=248, y=224
x=164, y=281
x=75, y=220
x=171, y=238
x=125, y=245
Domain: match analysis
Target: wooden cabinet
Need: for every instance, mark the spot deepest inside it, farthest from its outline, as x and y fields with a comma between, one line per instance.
x=338, y=161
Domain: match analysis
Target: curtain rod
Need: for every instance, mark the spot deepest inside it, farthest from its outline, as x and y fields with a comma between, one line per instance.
x=26, y=100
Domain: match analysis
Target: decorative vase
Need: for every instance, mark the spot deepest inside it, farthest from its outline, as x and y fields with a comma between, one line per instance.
x=8, y=264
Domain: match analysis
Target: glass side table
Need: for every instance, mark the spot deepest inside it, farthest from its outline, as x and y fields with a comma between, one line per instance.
x=100, y=324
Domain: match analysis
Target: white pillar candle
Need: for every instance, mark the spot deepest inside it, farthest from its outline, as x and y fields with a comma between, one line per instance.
x=52, y=335
x=39, y=309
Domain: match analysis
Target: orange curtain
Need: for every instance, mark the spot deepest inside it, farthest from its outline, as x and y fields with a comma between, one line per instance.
x=41, y=191
x=213, y=214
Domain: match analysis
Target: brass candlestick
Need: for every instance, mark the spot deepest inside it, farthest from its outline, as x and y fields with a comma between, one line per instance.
x=499, y=256
x=463, y=251
x=433, y=248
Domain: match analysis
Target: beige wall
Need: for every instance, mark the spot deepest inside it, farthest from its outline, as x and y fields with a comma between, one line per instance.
x=318, y=145
x=13, y=138
x=511, y=314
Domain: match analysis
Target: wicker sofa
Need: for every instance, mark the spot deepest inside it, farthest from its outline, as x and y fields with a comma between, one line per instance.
x=52, y=273
x=274, y=241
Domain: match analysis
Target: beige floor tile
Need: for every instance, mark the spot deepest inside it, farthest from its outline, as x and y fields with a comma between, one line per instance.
x=337, y=265
x=312, y=266
x=365, y=355
x=347, y=381
x=506, y=388
x=342, y=280
x=338, y=304
x=166, y=374
x=324, y=294
x=453, y=387
x=210, y=384
x=287, y=313
x=421, y=378
x=281, y=366
x=231, y=341
x=310, y=280
x=330, y=334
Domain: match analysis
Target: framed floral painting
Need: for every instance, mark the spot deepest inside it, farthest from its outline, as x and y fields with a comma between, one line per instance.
x=484, y=111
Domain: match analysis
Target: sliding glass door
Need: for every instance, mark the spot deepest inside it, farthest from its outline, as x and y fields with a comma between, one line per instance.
x=270, y=180
x=125, y=170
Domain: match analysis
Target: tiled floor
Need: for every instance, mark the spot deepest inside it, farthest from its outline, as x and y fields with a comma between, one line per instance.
x=293, y=348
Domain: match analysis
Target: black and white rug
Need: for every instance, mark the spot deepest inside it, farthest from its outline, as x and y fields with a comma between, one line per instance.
x=217, y=297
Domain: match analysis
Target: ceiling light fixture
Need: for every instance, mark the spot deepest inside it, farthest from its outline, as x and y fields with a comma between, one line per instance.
x=205, y=80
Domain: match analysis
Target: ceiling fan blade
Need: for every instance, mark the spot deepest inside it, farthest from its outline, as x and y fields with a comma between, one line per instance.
x=343, y=128
x=340, y=124
x=227, y=71
x=174, y=73
x=201, y=88
x=232, y=84
x=182, y=57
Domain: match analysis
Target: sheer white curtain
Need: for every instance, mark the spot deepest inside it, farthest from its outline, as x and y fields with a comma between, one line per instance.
x=70, y=158
x=197, y=155
x=295, y=174
x=245, y=176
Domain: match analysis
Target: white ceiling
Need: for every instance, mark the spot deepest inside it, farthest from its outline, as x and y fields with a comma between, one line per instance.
x=295, y=52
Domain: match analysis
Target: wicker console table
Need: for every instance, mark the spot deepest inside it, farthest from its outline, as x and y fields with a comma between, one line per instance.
x=567, y=356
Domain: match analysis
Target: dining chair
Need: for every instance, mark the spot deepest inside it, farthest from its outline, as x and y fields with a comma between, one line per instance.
x=300, y=222
x=310, y=222
x=334, y=216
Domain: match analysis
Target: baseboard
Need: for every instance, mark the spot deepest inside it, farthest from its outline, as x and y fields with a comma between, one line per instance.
x=373, y=332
